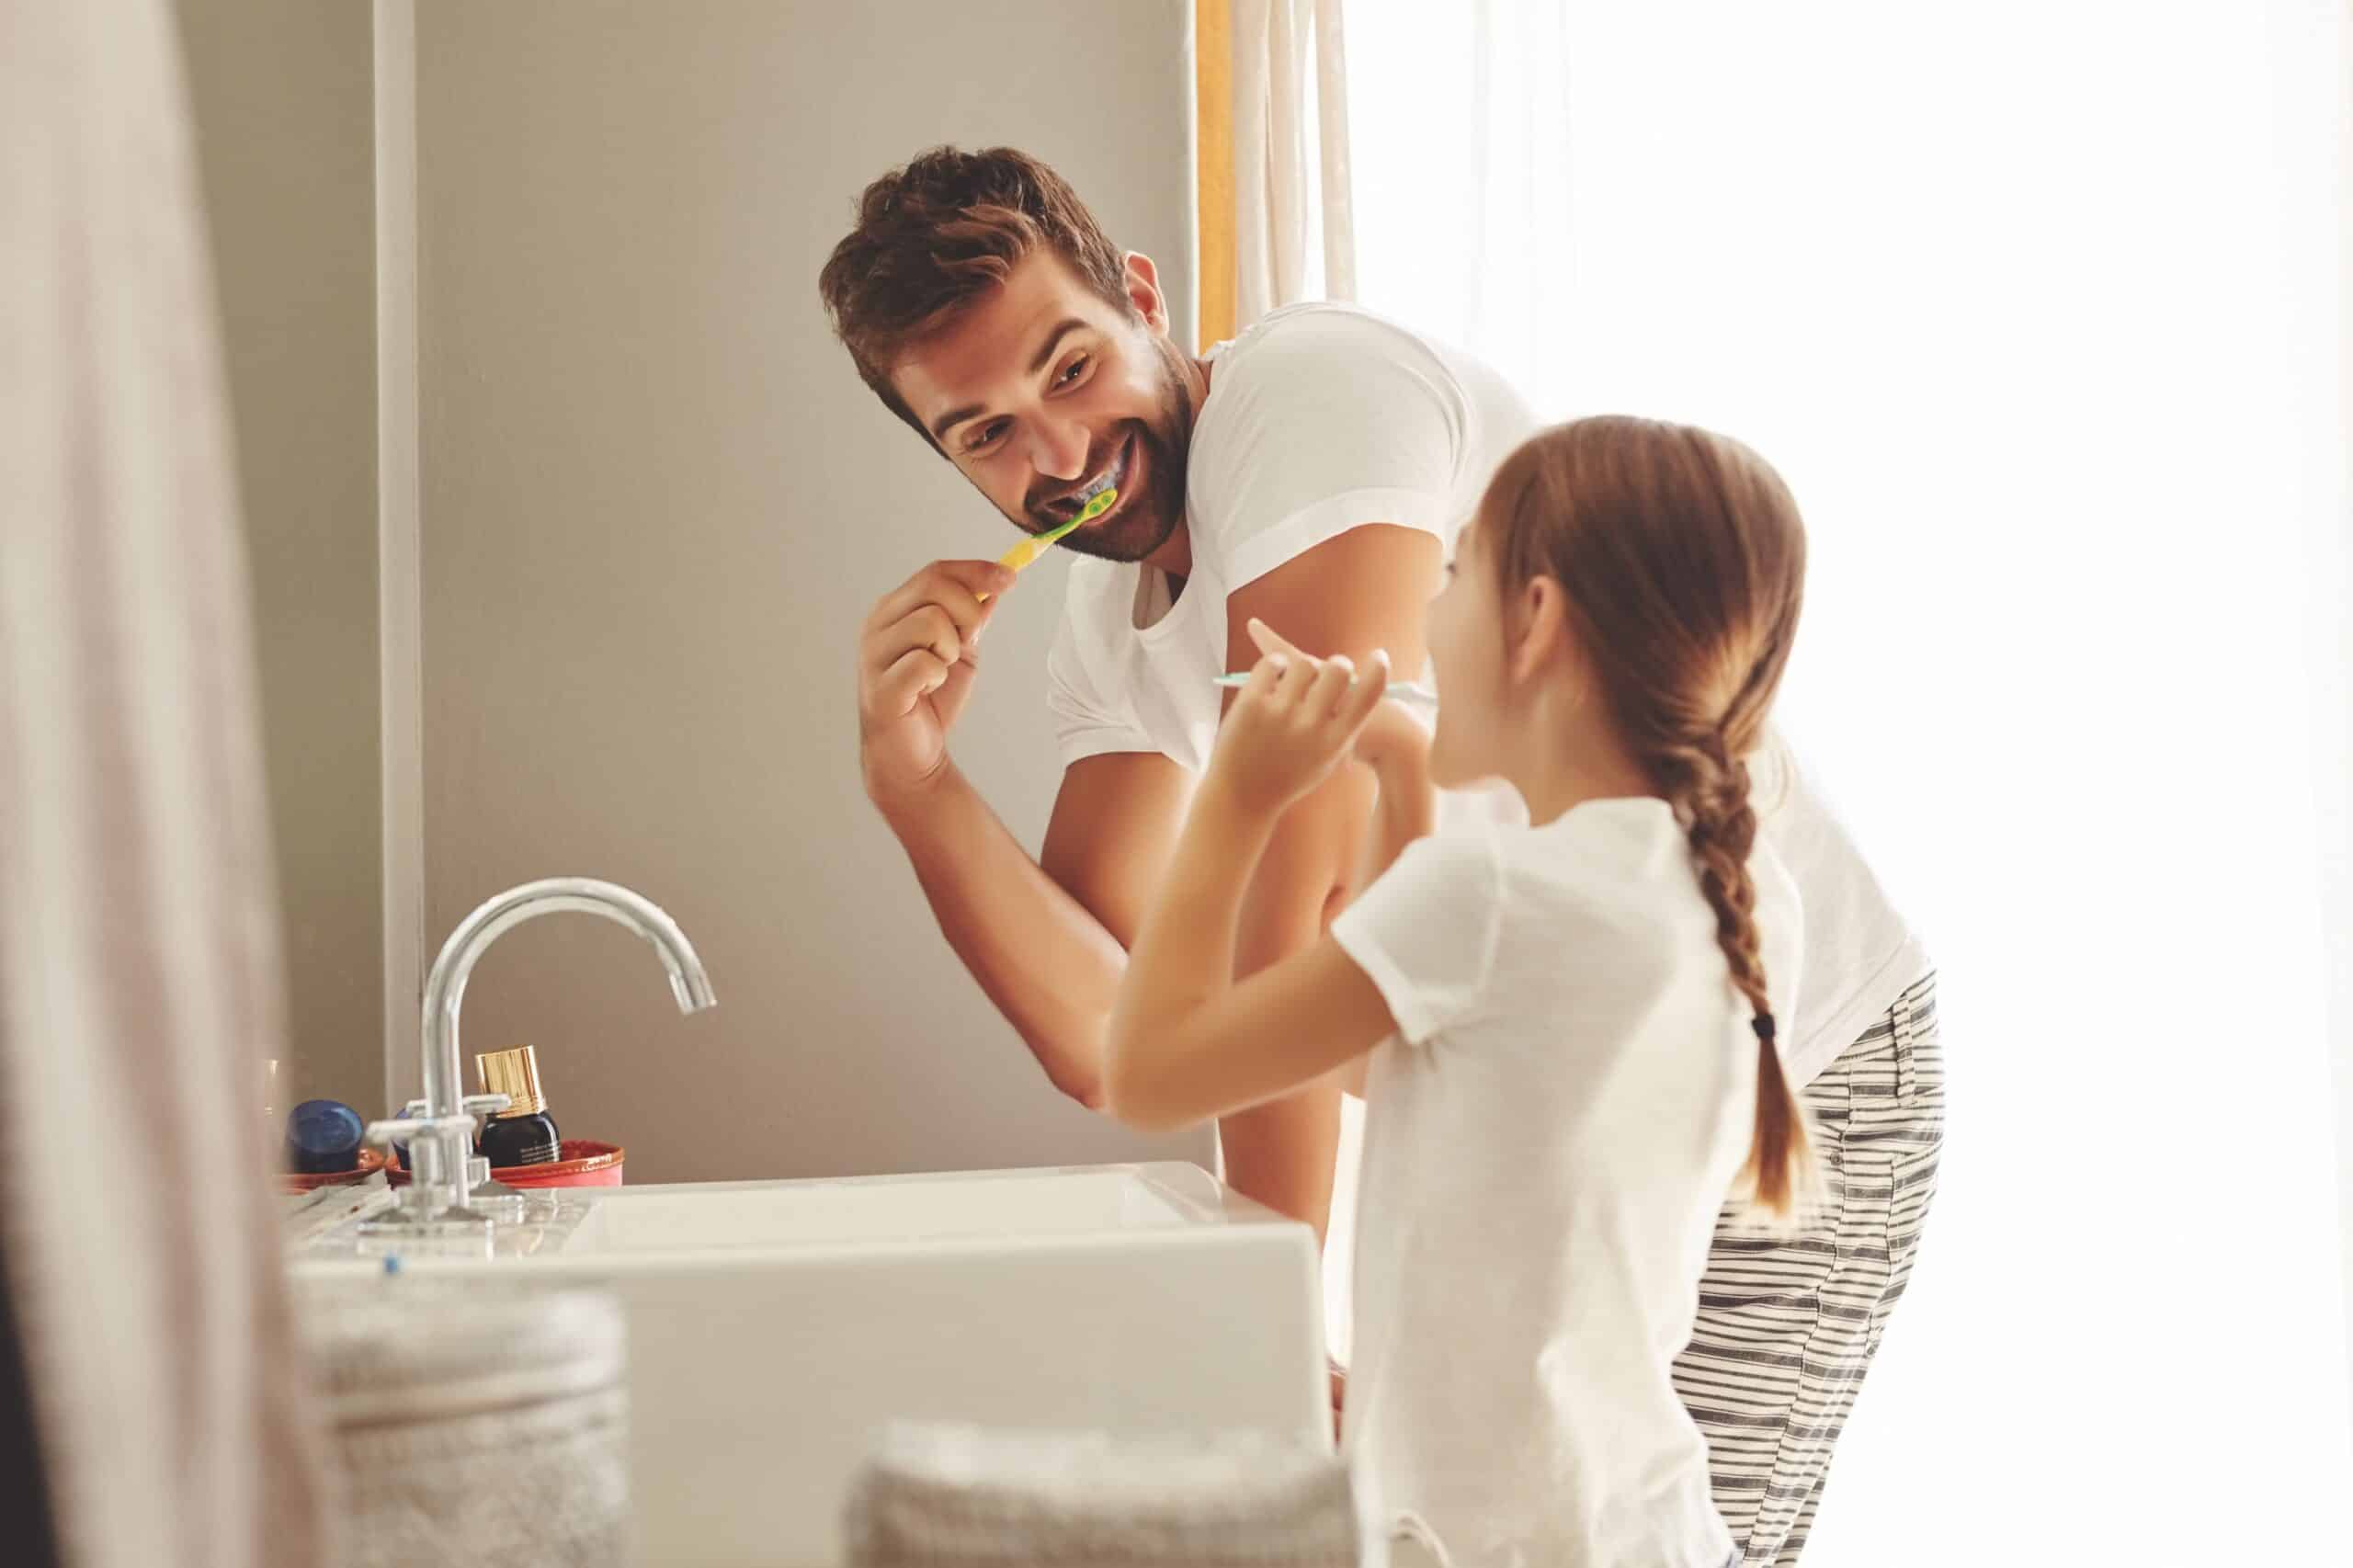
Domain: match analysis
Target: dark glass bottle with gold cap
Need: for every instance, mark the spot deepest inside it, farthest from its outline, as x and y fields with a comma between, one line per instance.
x=522, y=1134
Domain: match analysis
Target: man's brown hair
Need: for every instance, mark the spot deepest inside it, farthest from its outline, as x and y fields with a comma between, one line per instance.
x=934, y=236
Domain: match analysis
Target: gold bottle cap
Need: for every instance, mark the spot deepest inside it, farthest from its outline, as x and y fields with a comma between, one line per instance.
x=516, y=1074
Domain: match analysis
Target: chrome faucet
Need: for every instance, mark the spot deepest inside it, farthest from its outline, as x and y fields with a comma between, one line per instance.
x=440, y=1140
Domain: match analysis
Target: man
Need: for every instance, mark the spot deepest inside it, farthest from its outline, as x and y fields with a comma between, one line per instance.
x=1315, y=488
x=1310, y=474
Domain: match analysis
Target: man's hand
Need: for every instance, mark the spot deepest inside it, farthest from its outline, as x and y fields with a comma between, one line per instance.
x=916, y=658
x=1396, y=746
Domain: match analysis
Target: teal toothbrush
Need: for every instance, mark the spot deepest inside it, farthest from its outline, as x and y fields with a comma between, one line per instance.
x=1405, y=691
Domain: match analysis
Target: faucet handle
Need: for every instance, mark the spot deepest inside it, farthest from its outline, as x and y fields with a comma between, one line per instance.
x=405, y=1128
x=479, y=1105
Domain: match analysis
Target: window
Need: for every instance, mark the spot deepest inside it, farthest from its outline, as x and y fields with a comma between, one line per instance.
x=2040, y=309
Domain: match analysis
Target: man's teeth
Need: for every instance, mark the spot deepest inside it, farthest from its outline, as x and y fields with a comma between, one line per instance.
x=1103, y=480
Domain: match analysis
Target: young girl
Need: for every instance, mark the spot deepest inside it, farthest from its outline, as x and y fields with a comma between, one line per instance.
x=1571, y=1024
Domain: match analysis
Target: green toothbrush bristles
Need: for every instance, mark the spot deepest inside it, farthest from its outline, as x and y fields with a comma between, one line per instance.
x=1036, y=545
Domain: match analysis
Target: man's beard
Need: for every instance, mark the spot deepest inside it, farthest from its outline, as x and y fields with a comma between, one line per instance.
x=1140, y=524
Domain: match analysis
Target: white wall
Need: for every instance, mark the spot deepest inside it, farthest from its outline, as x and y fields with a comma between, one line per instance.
x=657, y=503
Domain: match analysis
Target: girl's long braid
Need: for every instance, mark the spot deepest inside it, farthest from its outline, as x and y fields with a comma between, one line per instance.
x=1708, y=788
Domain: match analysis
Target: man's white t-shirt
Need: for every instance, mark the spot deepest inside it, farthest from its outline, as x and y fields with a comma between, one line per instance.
x=1548, y=1137
x=1859, y=954
x=1320, y=419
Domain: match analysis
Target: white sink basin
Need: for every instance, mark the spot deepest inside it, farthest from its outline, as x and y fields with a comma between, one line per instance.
x=775, y=1326
x=899, y=1209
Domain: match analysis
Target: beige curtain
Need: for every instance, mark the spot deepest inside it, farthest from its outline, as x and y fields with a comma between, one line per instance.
x=139, y=968
x=1293, y=236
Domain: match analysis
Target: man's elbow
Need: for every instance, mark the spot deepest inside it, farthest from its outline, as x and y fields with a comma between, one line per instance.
x=1070, y=1052
x=1130, y=1098
x=1087, y=1088
x=1143, y=1114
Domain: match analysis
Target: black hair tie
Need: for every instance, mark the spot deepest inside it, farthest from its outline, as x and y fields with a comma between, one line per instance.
x=1763, y=1024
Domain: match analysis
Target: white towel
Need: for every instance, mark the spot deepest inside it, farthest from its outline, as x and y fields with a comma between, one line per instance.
x=948, y=1497
x=474, y=1424
x=140, y=983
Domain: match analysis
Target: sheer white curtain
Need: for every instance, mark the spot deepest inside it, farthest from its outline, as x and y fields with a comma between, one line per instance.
x=1293, y=237
x=2040, y=310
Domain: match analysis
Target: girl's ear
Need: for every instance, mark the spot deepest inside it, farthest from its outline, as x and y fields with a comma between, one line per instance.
x=1536, y=628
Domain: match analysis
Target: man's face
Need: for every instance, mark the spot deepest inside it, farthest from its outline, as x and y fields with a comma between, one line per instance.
x=1041, y=391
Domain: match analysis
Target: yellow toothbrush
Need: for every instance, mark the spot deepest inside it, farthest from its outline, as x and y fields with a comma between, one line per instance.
x=1021, y=556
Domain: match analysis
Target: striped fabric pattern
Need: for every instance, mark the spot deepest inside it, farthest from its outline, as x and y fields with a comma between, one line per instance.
x=1788, y=1326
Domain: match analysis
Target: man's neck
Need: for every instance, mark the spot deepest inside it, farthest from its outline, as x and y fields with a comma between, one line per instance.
x=1173, y=559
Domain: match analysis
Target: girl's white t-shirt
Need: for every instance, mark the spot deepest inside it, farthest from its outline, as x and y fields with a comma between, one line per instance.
x=1549, y=1139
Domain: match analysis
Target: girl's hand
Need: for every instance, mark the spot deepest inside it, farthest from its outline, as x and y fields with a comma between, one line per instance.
x=1292, y=725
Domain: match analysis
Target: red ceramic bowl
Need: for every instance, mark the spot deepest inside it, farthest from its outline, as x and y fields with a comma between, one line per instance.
x=586, y=1163
x=370, y=1162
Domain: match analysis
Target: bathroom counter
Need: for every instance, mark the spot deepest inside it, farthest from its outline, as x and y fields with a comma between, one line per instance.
x=774, y=1327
